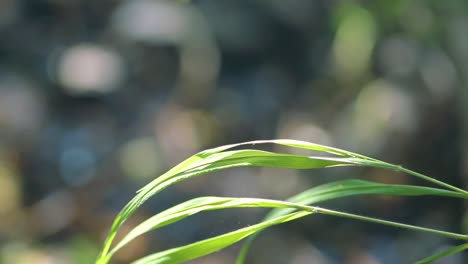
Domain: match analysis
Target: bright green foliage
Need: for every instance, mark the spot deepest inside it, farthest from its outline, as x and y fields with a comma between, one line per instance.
x=298, y=206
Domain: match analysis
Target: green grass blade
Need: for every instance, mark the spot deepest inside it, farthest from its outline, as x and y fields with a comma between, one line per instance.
x=390, y=223
x=208, y=246
x=340, y=189
x=309, y=146
x=321, y=193
x=197, y=205
x=203, y=163
x=447, y=252
x=222, y=158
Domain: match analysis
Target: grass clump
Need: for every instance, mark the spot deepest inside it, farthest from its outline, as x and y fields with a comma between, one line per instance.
x=296, y=207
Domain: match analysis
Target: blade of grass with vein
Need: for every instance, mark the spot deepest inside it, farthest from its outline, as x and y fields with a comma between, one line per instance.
x=320, y=193
x=219, y=158
x=208, y=246
x=196, y=166
x=340, y=189
x=197, y=205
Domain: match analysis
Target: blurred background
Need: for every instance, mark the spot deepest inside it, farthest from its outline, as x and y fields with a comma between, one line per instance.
x=99, y=97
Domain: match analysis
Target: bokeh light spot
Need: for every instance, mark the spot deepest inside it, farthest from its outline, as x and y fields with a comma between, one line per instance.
x=54, y=212
x=9, y=190
x=88, y=68
x=151, y=21
x=439, y=74
x=354, y=42
x=140, y=159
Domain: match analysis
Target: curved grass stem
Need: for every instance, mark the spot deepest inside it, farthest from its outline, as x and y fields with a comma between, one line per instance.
x=432, y=180
x=390, y=223
x=447, y=252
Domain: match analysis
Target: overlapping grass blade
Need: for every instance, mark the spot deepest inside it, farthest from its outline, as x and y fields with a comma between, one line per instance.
x=222, y=158
x=320, y=193
x=208, y=246
x=340, y=189
x=445, y=253
x=197, y=205
x=213, y=161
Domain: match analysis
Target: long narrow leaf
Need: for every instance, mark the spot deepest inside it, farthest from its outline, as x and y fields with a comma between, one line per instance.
x=320, y=193
x=196, y=166
x=447, y=252
x=222, y=158
x=208, y=246
x=340, y=189
x=198, y=205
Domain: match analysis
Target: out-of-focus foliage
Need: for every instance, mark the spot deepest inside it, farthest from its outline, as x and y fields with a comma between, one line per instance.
x=98, y=97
